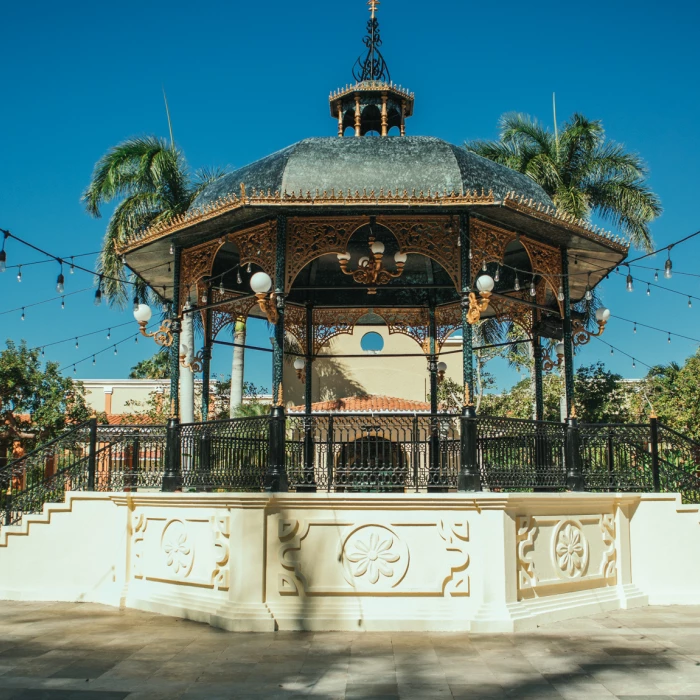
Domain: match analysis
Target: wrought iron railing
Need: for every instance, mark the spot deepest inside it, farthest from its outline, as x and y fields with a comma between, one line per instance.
x=351, y=453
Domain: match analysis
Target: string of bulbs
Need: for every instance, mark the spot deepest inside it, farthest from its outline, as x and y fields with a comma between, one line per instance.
x=653, y=328
x=622, y=352
x=82, y=335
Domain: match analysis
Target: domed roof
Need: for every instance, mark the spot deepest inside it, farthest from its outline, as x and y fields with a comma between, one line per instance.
x=419, y=163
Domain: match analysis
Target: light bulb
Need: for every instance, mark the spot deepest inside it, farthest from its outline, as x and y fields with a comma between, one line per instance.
x=63, y=302
x=484, y=267
x=109, y=332
x=172, y=250
x=560, y=293
x=94, y=361
x=136, y=339
x=115, y=349
x=98, y=297
x=630, y=283
x=533, y=291
x=77, y=345
x=3, y=261
x=204, y=298
x=42, y=352
x=60, y=288
x=690, y=303
x=470, y=253
x=611, y=351
x=634, y=330
x=221, y=286
x=22, y=317
x=648, y=290
x=19, y=274
x=239, y=279
x=668, y=266
x=72, y=267
x=516, y=286
x=74, y=370
x=589, y=294
x=634, y=364
x=164, y=307
x=656, y=276
x=669, y=338
x=497, y=276
x=249, y=268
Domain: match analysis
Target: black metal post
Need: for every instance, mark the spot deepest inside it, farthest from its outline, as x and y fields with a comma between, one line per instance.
x=654, y=430
x=171, y=478
x=205, y=458
x=469, y=472
x=92, y=455
x=568, y=345
x=572, y=452
x=276, y=477
x=539, y=385
x=415, y=452
x=330, y=441
x=175, y=347
x=611, y=459
x=309, y=482
x=132, y=481
x=206, y=365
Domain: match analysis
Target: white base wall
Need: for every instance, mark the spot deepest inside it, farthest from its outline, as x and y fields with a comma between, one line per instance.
x=485, y=562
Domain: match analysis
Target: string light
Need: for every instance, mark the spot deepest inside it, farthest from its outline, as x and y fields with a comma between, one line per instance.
x=115, y=349
x=42, y=352
x=239, y=279
x=560, y=293
x=690, y=303
x=630, y=282
x=98, y=293
x=222, y=291
x=169, y=267
x=589, y=294
x=484, y=267
x=72, y=265
x=470, y=253
x=611, y=350
x=63, y=302
x=648, y=290
x=136, y=339
x=60, y=282
x=204, y=297
x=19, y=274
x=3, y=254
x=669, y=338
x=249, y=269
x=516, y=286
x=75, y=371
x=668, y=265
x=497, y=276
x=94, y=361
x=23, y=315
x=634, y=364
x=109, y=333
x=533, y=291
x=172, y=249
x=634, y=330
x=77, y=345
x=656, y=275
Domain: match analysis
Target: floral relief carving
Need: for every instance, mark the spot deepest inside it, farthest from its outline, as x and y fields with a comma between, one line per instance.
x=373, y=557
x=607, y=528
x=178, y=551
x=570, y=549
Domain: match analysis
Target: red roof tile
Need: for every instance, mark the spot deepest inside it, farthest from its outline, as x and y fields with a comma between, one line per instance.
x=367, y=404
x=133, y=419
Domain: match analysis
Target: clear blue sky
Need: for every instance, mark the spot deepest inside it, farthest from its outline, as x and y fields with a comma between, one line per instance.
x=245, y=79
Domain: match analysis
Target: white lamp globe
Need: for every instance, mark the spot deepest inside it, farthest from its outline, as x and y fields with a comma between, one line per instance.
x=400, y=257
x=363, y=261
x=299, y=363
x=602, y=314
x=442, y=367
x=260, y=283
x=485, y=283
x=143, y=313
x=377, y=247
x=343, y=256
x=560, y=349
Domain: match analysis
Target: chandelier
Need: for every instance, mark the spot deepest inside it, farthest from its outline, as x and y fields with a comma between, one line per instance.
x=371, y=270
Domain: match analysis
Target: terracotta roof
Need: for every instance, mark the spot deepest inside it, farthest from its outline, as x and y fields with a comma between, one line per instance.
x=366, y=404
x=133, y=419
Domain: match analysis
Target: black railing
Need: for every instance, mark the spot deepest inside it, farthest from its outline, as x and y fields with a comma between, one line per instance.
x=353, y=453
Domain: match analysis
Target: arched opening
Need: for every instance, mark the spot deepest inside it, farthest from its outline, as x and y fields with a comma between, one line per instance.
x=372, y=343
x=371, y=121
x=371, y=463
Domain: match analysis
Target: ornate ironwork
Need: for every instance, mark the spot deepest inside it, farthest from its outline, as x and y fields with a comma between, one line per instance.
x=546, y=262
x=509, y=309
x=234, y=310
x=196, y=264
x=257, y=245
x=448, y=319
x=329, y=323
x=371, y=271
x=372, y=66
x=311, y=237
x=295, y=323
x=580, y=335
x=430, y=236
x=163, y=336
x=488, y=244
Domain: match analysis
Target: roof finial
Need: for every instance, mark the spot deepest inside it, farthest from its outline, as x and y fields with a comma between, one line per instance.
x=372, y=66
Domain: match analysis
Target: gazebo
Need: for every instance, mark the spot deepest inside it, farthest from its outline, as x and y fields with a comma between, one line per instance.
x=373, y=226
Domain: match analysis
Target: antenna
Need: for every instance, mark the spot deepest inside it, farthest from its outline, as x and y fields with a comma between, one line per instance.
x=170, y=124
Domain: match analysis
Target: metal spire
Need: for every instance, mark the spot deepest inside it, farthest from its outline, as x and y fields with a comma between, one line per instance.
x=372, y=66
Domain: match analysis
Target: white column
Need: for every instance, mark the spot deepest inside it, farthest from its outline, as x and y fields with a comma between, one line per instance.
x=186, y=374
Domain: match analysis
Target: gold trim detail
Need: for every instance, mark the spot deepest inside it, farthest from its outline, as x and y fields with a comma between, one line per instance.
x=257, y=245
x=236, y=309
x=196, y=264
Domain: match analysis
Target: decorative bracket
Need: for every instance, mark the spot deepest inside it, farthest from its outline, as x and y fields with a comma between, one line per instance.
x=163, y=336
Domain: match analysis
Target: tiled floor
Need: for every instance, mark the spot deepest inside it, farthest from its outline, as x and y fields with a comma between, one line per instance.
x=56, y=651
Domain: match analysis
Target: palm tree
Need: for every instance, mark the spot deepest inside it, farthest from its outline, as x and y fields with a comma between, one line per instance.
x=584, y=173
x=154, y=183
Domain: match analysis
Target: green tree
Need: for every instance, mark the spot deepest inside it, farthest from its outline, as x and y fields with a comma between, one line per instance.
x=582, y=171
x=600, y=395
x=36, y=402
x=156, y=367
x=153, y=183
x=254, y=407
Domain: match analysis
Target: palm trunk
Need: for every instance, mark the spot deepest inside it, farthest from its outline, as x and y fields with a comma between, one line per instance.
x=237, y=368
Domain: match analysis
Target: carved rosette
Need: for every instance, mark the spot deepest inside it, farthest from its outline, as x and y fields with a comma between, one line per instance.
x=177, y=549
x=309, y=238
x=374, y=558
x=432, y=236
x=569, y=550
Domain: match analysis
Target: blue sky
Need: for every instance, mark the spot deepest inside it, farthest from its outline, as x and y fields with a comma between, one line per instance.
x=245, y=79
